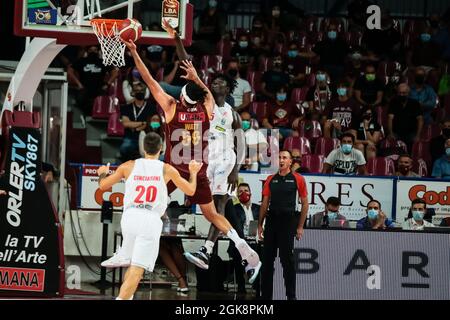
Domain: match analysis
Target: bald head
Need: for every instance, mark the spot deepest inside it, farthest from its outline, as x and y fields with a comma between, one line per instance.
x=403, y=89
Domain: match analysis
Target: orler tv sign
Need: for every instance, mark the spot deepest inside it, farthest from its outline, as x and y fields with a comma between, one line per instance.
x=31, y=253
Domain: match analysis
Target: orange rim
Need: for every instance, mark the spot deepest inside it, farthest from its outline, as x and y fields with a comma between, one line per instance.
x=107, y=23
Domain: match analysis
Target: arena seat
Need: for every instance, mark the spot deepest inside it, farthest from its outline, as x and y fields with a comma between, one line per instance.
x=103, y=107
x=258, y=109
x=115, y=90
x=430, y=131
x=313, y=162
x=310, y=24
x=380, y=166
x=224, y=49
x=421, y=150
x=420, y=167
x=115, y=126
x=325, y=145
x=264, y=64
x=211, y=61
x=300, y=143
x=353, y=39
x=254, y=78
x=393, y=146
x=310, y=129
x=298, y=95
x=205, y=76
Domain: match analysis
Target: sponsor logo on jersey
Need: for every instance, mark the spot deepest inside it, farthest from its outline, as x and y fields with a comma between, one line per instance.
x=184, y=117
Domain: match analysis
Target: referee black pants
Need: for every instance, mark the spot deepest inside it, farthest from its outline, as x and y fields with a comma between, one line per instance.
x=279, y=234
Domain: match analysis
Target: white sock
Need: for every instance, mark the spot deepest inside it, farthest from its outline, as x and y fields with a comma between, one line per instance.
x=119, y=298
x=232, y=234
x=209, y=245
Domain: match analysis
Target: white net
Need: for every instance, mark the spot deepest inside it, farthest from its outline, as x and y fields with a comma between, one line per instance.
x=113, y=50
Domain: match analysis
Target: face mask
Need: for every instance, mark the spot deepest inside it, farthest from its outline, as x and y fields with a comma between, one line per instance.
x=332, y=215
x=447, y=152
x=243, y=44
x=256, y=41
x=213, y=3
x=420, y=79
x=367, y=117
x=139, y=96
x=417, y=215
x=425, y=37
x=321, y=77
x=292, y=53
x=370, y=76
x=281, y=96
x=155, y=125
x=356, y=56
x=402, y=99
x=342, y=91
x=245, y=125
x=403, y=169
x=372, y=214
x=332, y=35
x=244, y=197
x=346, y=148
x=277, y=63
x=276, y=13
x=446, y=132
x=233, y=73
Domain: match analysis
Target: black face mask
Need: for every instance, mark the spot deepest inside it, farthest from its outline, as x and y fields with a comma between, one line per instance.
x=139, y=96
x=402, y=99
x=367, y=117
x=420, y=79
x=446, y=132
x=232, y=73
x=92, y=55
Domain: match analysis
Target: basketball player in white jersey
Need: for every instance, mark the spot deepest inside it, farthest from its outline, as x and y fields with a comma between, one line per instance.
x=145, y=202
x=223, y=167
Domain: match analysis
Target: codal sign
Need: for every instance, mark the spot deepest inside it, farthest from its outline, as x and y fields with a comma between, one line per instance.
x=436, y=194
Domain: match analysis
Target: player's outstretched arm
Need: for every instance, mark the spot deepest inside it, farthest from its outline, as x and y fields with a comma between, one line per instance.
x=191, y=74
x=166, y=102
x=105, y=182
x=181, y=51
x=188, y=187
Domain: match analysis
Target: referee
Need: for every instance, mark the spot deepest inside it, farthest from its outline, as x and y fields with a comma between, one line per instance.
x=282, y=224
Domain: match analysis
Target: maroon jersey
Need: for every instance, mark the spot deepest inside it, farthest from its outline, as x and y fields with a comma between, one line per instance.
x=187, y=137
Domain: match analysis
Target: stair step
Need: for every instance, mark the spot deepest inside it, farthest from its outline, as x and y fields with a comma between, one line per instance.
x=93, y=143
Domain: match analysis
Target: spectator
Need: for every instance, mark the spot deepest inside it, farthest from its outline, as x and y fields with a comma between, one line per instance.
x=134, y=116
x=154, y=124
x=375, y=219
x=91, y=78
x=404, y=167
x=133, y=78
x=424, y=94
x=242, y=52
x=441, y=167
x=331, y=213
x=332, y=52
x=273, y=79
x=255, y=142
x=295, y=66
x=437, y=144
x=345, y=160
x=425, y=53
x=245, y=212
x=319, y=95
x=354, y=68
x=416, y=222
x=297, y=162
x=367, y=133
x=281, y=114
x=368, y=89
x=154, y=57
x=172, y=81
x=341, y=113
x=212, y=24
x=442, y=37
x=242, y=93
x=405, y=117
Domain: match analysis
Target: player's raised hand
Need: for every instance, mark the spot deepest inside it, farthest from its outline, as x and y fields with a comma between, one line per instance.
x=233, y=181
x=191, y=73
x=171, y=31
x=130, y=45
x=194, y=166
x=103, y=170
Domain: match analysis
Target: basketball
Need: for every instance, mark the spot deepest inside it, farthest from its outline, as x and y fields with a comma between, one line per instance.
x=131, y=29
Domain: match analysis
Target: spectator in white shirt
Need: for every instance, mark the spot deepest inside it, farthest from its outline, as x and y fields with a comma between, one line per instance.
x=346, y=160
x=416, y=222
x=242, y=93
x=133, y=78
x=255, y=142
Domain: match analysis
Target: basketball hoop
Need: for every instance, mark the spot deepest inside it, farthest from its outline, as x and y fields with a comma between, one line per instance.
x=107, y=32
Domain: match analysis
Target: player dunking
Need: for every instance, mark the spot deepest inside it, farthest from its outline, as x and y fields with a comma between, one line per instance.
x=145, y=202
x=187, y=122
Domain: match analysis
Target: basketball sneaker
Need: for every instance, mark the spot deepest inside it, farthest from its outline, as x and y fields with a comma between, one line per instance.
x=199, y=258
x=116, y=261
x=250, y=261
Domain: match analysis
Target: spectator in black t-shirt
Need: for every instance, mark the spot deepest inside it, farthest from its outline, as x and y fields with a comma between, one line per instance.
x=341, y=113
x=274, y=79
x=91, y=78
x=367, y=132
x=242, y=52
x=424, y=52
x=368, y=89
x=318, y=96
x=134, y=119
x=405, y=117
x=295, y=66
x=437, y=148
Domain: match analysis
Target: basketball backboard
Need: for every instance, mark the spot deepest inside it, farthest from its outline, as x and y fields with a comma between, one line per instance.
x=69, y=20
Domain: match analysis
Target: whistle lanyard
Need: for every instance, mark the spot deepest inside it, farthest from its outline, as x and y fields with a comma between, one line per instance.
x=136, y=116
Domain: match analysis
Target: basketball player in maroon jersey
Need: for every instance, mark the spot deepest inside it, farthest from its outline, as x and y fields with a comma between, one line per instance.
x=186, y=123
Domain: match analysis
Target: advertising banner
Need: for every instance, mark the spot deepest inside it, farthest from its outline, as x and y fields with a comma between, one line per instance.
x=31, y=254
